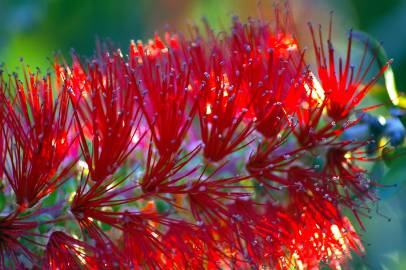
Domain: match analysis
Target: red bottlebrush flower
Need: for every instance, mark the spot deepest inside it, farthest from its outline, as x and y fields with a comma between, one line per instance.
x=192, y=247
x=106, y=113
x=165, y=94
x=154, y=49
x=222, y=107
x=309, y=129
x=343, y=89
x=275, y=112
x=13, y=229
x=315, y=238
x=94, y=202
x=65, y=252
x=314, y=192
x=259, y=37
x=38, y=126
x=247, y=241
x=272, y=71
x=142, y=245
x=347, y=178
x=309, y=189
x=144, y=240
x=270, y=159
x=309, y=115
x=311, y=184
x=109, y=255
x=211, y=216
x=220, y=120
x=162, y=175
x=3, y=150
x=223, y=103
x=90, y=198
x=75, y=76
x=208, y=197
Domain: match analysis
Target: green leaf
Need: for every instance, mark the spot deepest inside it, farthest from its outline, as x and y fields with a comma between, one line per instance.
x=394, y=157
x=50, y=199
x=104, y=226
x=2, y=201
x=161, y=206
x=43, y=228
x=382, y=59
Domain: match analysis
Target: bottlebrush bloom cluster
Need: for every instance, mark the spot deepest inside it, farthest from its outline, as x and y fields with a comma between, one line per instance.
x=198, y=151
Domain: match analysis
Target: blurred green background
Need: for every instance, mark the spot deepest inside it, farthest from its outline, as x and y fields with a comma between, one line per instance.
x=36, y=29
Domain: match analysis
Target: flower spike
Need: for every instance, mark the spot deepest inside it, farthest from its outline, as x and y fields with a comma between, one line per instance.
x=12, y=230
x=106, y=114
x=65, y=252
x=165, y=94
x=344, y=85
x=38, y=126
